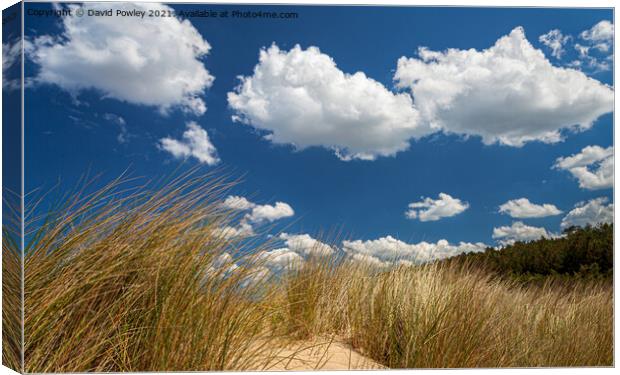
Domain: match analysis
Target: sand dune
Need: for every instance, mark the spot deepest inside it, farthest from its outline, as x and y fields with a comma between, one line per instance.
x=321, y=354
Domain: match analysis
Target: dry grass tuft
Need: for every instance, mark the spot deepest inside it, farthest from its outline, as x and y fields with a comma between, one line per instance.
x=11, y=290
x=124, y=279
x=444, y=316
x=125, y=282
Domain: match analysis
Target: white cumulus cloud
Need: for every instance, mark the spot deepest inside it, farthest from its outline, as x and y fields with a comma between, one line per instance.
x=305, y=244
x=300, y=97
x=595, y=48
x=280, y=259
x=518, y=231
x=369, y=260
x=235, y=202
x=195, y=143
x=391, y=251
x=430, y=209
x=522, y=208
x=593, y=212
x=229, y=232
x=297, y=248
x=601, y=35
x=555, y=40
x=255, y=214
x=153, y=61
x=270, y=213
x=258, y=213
x=508, y=94
x=593, y=167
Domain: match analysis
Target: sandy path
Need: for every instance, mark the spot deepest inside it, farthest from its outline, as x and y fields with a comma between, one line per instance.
x=321, y=355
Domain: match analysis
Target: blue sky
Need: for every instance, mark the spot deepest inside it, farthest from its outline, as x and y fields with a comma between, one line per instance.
x=72, y=127
x=11, y=137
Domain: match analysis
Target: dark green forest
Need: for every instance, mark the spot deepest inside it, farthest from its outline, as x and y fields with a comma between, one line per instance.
x=581, y=253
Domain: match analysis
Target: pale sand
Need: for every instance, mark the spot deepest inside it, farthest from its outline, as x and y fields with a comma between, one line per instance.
x=321, y=354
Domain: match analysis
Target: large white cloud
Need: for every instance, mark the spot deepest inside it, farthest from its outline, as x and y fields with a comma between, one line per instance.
x=522, y=208
x=593, y=212
x=434, y=209
x=518, y=231
x=154, y=61
x=195, y=143
x=508, y=94
x=301, y=97
x=593, y=167
x=390, y=251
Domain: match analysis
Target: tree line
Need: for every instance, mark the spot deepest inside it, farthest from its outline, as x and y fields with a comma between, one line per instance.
x=580, y=253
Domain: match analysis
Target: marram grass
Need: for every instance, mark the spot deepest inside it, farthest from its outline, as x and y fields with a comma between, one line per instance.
x=118, y=282
x=11, y=290
x=444, y=316
x=124, y=280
